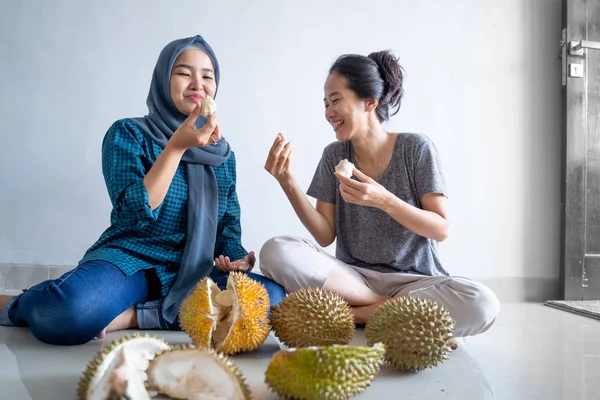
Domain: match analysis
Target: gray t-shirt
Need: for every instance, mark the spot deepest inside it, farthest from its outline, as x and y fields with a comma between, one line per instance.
x=368, y=237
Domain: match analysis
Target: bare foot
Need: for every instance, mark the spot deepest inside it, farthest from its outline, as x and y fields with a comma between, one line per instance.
x=126, y=320
x=4, y=300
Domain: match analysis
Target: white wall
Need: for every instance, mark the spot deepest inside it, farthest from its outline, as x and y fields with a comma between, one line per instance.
x=483, y=82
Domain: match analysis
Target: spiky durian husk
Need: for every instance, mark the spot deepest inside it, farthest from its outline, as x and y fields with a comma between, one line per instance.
x=327, y=372
x=192, y=352
x=251, y=327
x=417, y=332
x=313, y=317
x=92, y=375
x=195, y=314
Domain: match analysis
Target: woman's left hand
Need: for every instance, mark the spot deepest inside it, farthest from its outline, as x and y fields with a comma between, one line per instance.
x=243, y=264
x=365, y=193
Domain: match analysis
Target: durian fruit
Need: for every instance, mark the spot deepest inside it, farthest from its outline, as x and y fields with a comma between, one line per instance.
x=118, y=361
x=196, y=374
x=124, y=381
x=345, y=168
x=326, y=372
x=417, y=332
x=207, y=106
x=313, y=317
x=230, y=321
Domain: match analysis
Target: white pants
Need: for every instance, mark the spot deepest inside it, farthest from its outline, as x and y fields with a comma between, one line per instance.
x=297, y=263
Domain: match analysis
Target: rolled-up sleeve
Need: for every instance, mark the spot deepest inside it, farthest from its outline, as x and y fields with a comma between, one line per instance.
x=124, y=169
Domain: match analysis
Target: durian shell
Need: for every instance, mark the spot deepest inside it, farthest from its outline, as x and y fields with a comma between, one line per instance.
x=225, y=361
x=417, y=332
x=327, y=372
x=195, y=316
x=251, y=328
x=92, y=367
x=313, y=317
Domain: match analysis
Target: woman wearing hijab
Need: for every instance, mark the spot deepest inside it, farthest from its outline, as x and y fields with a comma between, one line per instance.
x=171, y=178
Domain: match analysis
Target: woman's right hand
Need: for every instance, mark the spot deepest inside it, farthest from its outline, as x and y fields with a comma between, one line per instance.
x=278, y=160
x=187, y=136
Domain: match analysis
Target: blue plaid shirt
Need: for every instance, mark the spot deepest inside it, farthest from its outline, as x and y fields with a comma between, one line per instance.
x=142, y=238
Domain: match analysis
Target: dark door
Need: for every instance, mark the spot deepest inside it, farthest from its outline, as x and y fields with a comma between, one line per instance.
x=580, y=240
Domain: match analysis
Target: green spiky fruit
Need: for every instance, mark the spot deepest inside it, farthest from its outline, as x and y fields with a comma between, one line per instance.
x=313, y=317
x=329, y=372
x=115, y=364
x=195, y=373
x=417, y=332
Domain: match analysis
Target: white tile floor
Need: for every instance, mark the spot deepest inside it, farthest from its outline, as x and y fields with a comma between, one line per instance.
x=532, y=352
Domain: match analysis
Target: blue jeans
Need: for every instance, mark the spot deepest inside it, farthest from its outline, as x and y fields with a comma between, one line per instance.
x=74, y=308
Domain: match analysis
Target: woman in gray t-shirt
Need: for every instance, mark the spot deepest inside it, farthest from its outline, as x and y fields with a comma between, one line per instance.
x=387, y=219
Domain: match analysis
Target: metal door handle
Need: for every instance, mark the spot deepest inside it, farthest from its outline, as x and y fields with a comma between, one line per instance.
x=576, y=48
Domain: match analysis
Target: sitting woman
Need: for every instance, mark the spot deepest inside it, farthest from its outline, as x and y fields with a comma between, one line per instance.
x=172, y=182
x=387, y=220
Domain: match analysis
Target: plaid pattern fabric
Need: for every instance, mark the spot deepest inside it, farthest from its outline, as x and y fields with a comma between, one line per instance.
x=141, y=238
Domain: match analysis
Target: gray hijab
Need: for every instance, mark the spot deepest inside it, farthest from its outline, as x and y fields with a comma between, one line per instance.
x=161, y=122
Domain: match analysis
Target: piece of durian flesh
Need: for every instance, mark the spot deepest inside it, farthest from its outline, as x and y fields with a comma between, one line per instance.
x=123, y=382
x=345, y=168
x=196, y=374
x=207, y=106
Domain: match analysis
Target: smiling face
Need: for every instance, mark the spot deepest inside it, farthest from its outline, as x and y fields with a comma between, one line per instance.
x=192, y=78
x=348, y=114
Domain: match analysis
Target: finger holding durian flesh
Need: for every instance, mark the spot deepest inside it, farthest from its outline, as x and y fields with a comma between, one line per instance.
x=196, y=374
